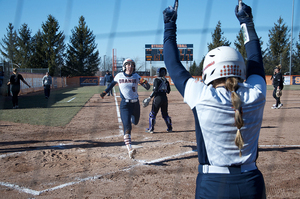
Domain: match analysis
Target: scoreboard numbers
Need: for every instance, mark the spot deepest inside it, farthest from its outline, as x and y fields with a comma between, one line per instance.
x=154, y=52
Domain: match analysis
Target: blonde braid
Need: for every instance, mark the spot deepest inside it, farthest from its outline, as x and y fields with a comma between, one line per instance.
x=231, y=84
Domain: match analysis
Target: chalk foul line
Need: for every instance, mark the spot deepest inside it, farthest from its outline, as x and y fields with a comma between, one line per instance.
x=36, y=193
x=141, y=163
x=71, y=99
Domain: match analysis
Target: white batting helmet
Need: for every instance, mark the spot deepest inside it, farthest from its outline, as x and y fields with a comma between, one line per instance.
x=223, y=62
x=128, y=60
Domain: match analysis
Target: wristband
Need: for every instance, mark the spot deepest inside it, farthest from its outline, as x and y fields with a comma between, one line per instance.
x=249, y=33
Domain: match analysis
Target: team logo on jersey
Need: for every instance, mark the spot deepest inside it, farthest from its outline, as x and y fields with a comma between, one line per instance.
x=127, y=81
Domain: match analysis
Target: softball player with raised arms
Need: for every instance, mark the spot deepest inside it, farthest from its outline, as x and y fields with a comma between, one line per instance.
x=228, y=110
x=128, y=82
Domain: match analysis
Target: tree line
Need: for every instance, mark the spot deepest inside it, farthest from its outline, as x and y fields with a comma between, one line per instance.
x=277, y=51
x=47, y=49
x=80, y=57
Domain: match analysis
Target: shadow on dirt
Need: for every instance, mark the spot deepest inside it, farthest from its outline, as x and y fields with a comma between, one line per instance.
x=280, y=149
x=83, y=144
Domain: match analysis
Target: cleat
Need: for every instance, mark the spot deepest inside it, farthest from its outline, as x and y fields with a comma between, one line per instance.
x=280, y=105
x=131, y=153
x=274, y=107
x=149, y=131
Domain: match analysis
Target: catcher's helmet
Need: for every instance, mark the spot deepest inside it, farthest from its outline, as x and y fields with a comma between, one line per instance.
x=128, y=60
x=161, y=72
x=223, y=62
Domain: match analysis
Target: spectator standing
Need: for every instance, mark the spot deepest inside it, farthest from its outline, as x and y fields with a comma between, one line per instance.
x=14, y=82
x=47, y=82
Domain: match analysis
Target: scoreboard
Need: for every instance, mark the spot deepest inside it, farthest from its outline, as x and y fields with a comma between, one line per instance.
x=154, y=52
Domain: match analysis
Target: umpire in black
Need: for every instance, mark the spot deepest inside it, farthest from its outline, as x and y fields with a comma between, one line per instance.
x=107, y=81
x=161, y=87
x=278, y=85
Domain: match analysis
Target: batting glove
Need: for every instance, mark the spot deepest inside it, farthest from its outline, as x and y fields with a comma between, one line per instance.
x=170, y=15
x=244, y=15
x=102, y=94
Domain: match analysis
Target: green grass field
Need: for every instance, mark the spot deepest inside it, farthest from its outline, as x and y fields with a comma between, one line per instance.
x=58, y=110
x=61, y=107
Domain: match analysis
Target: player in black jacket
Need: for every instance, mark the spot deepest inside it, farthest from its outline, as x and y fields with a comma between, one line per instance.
x=14, y=82
x=278, y=85
x=161, y=88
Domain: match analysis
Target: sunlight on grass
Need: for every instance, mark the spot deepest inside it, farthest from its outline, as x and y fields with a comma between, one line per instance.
x=58, y=110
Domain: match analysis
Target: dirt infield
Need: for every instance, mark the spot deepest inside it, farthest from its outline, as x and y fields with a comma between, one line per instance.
x=87, y=158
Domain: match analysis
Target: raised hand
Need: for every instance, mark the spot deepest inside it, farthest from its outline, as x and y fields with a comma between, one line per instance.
x=170, y=13
x=244, y=14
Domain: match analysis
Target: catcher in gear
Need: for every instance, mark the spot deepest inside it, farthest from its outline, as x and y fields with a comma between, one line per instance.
x=278, y=86
x=161, y=87
x=228, y=110
x=128, y=82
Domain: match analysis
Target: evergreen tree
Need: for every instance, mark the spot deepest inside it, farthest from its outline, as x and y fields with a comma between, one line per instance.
x=24, y=48
x=82, y=57
x=278, y=48
x=38, y=51
x=200, y=68
x=53, y=45
x=296, y=59
x=193, y=68
x=8, y=44
x=240, y=46
x=217, y=38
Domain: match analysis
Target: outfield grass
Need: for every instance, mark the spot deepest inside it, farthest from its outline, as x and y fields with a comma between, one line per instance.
x=58, y=110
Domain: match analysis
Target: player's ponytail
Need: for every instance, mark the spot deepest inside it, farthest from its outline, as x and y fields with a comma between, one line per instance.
x=231, y=84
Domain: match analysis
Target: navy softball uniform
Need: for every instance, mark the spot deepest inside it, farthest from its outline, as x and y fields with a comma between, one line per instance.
x=130, y=105
x=222, y=172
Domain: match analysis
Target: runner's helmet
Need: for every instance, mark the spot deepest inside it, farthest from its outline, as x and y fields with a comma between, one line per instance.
x=223, y=62
x=128, y=60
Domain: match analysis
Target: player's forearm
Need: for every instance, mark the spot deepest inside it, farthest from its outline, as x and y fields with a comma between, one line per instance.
x=152, y=94
x=176, y=70
x=254, y=58
x=110, y=86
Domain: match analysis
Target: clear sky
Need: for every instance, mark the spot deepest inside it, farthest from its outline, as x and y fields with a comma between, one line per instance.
x=127, y=25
